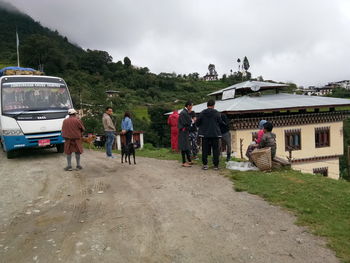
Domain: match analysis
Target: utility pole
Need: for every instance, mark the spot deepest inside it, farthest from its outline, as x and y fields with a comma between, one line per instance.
x=81, y=102
x=17, y=44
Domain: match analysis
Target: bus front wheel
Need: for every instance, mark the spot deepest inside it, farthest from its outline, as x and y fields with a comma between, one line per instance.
x=2, y=146
x=10, y=154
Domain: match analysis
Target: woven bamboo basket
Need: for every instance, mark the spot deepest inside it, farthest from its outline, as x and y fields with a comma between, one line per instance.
x=262, y=158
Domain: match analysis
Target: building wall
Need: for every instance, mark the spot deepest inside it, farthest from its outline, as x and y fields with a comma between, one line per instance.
x=331, y=164
x=308, y=147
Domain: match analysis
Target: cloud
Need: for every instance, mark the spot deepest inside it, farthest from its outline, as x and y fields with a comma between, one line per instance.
x=300, y=41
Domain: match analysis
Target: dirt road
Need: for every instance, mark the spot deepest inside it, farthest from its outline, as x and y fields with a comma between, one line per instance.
x=154, y=211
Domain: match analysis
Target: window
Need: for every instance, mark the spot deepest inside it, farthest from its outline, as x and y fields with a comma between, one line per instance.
x=30, y=97
x=322, y=137
x=254, y=136
x=292, y=139
x=323, y=171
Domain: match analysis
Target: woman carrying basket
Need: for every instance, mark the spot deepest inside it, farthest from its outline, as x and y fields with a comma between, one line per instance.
x=268, y=140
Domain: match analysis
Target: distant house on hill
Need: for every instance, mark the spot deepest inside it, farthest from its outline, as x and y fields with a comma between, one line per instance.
x=345, y=84
x=309, y=129
x=317, y=91
x=212, y=74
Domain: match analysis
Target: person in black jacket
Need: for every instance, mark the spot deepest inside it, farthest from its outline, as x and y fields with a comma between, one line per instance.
x=226, y=135
x=209, y=122
x=184, y=125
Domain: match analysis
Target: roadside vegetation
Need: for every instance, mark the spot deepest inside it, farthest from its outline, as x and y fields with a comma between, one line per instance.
x=321, y=204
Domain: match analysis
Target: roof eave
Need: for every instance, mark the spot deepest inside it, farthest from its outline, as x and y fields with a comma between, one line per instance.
x=285, y=109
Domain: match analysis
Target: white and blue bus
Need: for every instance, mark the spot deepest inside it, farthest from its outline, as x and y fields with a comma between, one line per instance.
x=32, y=109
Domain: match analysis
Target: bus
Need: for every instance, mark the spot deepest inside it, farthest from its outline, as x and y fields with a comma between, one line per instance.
x=32, y=110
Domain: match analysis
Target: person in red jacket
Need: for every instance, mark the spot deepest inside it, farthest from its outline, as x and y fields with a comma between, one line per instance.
x=172, y=122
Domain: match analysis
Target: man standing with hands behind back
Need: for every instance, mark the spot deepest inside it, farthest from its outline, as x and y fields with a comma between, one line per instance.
x=109, y=131
x=72, y=131
x=209, y=122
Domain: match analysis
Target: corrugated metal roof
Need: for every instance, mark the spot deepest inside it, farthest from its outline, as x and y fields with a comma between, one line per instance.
x=271, y=102
x=250, y=84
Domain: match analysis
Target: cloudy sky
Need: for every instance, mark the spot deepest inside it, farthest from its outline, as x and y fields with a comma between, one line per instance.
x=306, y=42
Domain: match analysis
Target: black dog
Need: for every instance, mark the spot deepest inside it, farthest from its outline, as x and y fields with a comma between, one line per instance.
x=127, y=151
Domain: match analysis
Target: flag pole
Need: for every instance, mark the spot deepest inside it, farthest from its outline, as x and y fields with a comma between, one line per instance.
x=17, y=44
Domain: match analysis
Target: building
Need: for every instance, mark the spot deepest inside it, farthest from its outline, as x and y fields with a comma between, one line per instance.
x=309, y=129
x=112, y=93
x=345, y=84
x=317, y=91
x=212, y=74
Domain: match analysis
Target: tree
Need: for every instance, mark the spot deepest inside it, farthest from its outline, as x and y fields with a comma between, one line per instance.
x=95, y=61
x=127, y=62
x=246, y=64
x=159, y=125
x=41, y=52
x=193, y=76
x=224, y=77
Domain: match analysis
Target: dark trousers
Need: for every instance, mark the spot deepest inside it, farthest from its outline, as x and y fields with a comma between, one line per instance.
x=210, y=145
x=184, y=155
x=128, y=136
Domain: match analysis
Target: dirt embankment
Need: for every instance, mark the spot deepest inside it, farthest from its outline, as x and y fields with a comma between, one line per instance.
x=154, y=211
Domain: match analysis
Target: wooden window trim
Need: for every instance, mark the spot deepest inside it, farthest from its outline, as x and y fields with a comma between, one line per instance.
x=288, y=135
x=322, y=137
x=322, y=170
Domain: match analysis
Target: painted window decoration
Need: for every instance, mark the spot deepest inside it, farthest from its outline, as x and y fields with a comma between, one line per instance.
x=322, y=137
x=254, y=136
x=322, y=170
x=292, y=139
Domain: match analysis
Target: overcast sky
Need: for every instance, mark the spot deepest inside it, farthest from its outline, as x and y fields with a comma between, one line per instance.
x=306, y=42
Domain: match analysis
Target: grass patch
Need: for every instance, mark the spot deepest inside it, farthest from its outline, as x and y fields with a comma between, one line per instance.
x=320, y=203
x=147, y=151
x=161, y=153
x=141, y=112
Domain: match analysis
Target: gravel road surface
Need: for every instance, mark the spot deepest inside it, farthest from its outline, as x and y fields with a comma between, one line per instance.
x=155, y=211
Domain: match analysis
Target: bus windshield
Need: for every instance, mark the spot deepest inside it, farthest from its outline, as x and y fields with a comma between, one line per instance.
x=34, y=97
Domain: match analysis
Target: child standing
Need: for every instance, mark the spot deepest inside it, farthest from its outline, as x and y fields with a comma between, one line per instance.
x=193, y=136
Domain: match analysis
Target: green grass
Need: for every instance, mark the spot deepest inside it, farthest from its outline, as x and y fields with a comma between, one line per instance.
x=141, y=112
x=320, y=203
x=150, y=152
x=161, y=153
